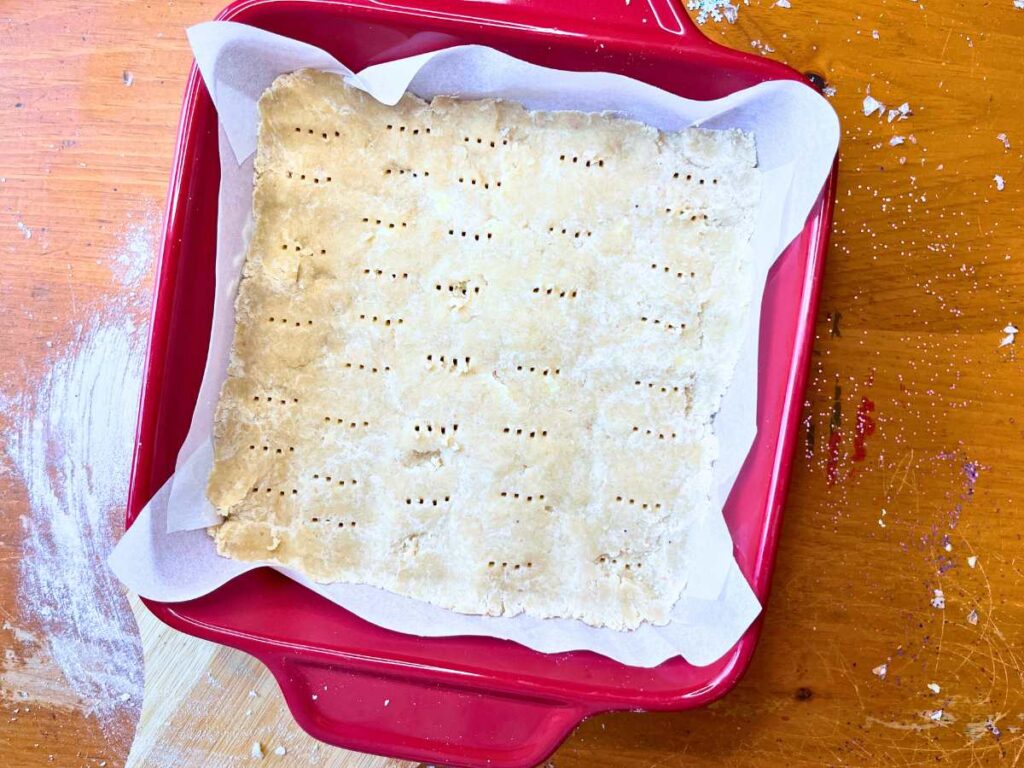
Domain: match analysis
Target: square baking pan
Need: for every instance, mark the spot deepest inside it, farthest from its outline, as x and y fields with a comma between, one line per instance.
x=470, y=701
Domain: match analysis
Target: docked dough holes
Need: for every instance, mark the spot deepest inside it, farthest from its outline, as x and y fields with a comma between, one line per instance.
x=665, y=389
x=661, y=434
x=461, y=287
x=505, y=564
x=430, y=428
x=301, y=250
x=336, y=133
x=391, y=273
x=381, y=319
x=410, y=129
x=310, y=177
x=275, y=400
x=332, y=521
x=384, y=224
x=482, y=141
x=270, y=449
x=276, y=491
x=629, y=500
x=406, y=172
x=593, y=162
x=689, y=213
x=570, y=232
x=555, y=291
x=665, y=324
x=529, y=498
x=426, y=501
x=610, y=562
x=524, y=432
x=466, y=234
x=343, y=422
x=366, y=367
x=475, y=182
x=667, y=270
x=332, y=480
x=450, y=363
x=539, y=370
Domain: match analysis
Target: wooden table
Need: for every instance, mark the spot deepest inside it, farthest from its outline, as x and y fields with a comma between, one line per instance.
x=908, y=481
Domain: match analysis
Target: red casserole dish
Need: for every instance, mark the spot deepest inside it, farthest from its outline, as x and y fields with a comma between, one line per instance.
x=462, y=700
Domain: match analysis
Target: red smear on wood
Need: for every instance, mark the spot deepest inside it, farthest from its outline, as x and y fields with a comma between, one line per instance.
x=864, y=428
x=835, y=437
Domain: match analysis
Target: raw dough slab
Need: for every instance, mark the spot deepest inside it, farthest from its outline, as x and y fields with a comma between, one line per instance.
x=478, y=350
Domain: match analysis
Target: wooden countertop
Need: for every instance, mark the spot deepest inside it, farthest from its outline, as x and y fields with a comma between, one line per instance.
x=909, y=481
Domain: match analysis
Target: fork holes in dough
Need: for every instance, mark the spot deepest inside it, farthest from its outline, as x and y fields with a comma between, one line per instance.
x=525, y=432
x=516, y=495
x=378, y=272
x=476, y=236
x=666, y=325
x=555, y=291
x=660, y=435
x=367, y=368
x=351, y=424
x=665, y=269
x=539, y=369
x=380, y=319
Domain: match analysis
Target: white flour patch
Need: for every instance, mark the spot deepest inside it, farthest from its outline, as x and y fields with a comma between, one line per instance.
x=71, y=443
x=133, y=259
x=28, y=674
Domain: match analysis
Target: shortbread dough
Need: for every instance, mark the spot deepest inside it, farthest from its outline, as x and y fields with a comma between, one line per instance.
x=478, y=350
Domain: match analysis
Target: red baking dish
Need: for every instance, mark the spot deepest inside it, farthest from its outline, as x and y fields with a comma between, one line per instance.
x=462, y=700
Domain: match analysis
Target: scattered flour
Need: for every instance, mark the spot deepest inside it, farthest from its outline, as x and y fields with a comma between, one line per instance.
x=27, y=674
x=1000, y=182
x=72, y=448
x=716, y=10
x=25, y=231
x=69, y=440
x=134, y=258
x=1009, y=336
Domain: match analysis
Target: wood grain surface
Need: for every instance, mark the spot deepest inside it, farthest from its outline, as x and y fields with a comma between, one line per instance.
x=909, y=475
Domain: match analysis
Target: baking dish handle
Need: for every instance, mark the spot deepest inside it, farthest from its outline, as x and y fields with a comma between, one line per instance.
x=644, y=18
x=357, y=706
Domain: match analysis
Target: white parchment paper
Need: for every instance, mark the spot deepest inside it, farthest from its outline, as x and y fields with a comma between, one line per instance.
x=168, y=556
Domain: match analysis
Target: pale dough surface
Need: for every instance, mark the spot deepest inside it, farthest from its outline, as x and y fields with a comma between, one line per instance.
x=478, y=350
